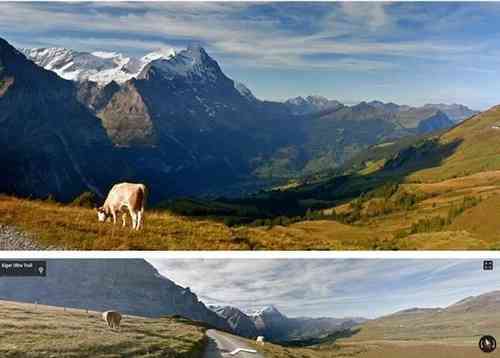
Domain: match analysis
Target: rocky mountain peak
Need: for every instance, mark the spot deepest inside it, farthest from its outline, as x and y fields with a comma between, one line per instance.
x=128, y=285
x=192, y=63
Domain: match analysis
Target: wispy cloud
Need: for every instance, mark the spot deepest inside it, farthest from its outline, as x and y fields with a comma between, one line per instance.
x=406, y=42
x=265, y=35
x=337, y=288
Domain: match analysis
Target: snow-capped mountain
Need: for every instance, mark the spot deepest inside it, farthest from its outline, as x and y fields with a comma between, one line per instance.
x=104, y=67
x=310, y=104
x=244, y=91
x=266, y=310
x=192, y=64
x=275, y=326
x=156, y=55
x=100, y=66
x=239, y=322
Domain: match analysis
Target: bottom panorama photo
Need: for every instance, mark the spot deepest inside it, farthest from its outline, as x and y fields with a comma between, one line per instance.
x=212, y=308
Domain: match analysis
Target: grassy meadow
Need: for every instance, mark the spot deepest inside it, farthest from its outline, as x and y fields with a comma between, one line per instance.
x=432, y=333
x=29, y=330
x=454, y=214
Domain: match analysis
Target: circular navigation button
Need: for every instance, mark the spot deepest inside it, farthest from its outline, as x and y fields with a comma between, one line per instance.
x=487, y=344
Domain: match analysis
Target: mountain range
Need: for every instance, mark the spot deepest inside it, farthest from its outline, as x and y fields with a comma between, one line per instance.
x=131, y=286
x=135, y=287
x=275, y=326
x=101, y=67
x=76, y=121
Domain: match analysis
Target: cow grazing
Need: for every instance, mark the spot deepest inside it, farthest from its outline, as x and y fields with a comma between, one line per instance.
x=260, y=340
x=121, y=198
x=112, y=318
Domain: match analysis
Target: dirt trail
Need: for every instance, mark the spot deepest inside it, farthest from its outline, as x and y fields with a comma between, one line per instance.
x=13, y=239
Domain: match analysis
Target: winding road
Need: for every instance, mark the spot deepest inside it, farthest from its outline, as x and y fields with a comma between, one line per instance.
x=220, y=345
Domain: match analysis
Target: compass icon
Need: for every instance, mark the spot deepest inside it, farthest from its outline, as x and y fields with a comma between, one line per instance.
x=487, y=344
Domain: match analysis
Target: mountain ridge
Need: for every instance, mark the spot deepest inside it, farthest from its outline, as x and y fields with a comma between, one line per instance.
x=185, y=128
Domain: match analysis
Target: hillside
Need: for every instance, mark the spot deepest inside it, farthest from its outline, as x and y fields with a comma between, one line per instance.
x=453, y=331
x=69, y=227
x=29, y=330
x=434, y=192
x=131, y=286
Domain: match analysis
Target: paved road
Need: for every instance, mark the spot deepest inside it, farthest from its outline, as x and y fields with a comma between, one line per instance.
x=220, y=345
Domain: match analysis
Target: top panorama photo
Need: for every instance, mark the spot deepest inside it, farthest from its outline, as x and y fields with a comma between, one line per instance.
x=249, y=126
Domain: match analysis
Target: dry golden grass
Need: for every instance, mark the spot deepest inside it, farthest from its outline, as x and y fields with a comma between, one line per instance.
x=377, y=350
x=478, y=150
x=33, y=331
x=432, y=334
x=68, y=227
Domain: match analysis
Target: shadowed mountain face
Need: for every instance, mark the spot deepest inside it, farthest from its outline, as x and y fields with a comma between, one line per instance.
x=130, y=286
x=240, y=323
x=180, y=125
x=50, y=142
x=274, y=326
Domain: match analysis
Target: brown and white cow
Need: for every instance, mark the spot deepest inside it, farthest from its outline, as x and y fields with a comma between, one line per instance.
x=112, y=318
x=125, y=197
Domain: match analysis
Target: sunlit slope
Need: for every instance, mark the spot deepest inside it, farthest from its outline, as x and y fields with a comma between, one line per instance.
x=29, y=330
x=474, y=146
x=67, y=227
x=453, y=331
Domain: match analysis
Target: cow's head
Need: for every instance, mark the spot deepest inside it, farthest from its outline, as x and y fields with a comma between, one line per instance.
x=101, y=214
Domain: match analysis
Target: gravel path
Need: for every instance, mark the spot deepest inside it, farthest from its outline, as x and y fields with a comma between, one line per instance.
x=13, y=239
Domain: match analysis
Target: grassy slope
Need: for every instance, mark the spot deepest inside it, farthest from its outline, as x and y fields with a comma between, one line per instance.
x=470, y=169
x=478, y=151
x=42, y=331
x=428, y=334
x=68, y=227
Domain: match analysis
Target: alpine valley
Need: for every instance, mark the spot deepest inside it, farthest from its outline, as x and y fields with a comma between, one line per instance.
x=73, y=121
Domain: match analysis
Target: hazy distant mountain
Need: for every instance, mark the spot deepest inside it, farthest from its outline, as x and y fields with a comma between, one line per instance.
x=310, y=104
x=456, y=112
x=465, y=320
x=275, y=326
x=131, y=286
x=481, y=304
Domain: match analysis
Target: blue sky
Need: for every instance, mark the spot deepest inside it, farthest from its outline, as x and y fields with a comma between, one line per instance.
x=410, y=53
x=334, y=287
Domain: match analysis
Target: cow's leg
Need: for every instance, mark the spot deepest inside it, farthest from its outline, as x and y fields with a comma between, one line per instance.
x=133, y=215
x=124, y=219
x=136, y=223
x=139, y=220
x=113, y=214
